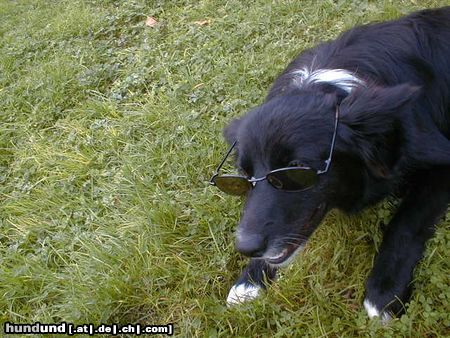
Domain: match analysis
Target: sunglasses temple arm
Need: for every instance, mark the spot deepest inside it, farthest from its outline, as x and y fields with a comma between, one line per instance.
x=223, y=161
x=333, y=141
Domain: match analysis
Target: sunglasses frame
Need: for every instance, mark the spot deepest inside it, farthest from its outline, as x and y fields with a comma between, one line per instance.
x=254, y=180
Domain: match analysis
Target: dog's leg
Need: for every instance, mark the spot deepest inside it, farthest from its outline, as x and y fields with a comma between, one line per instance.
x=251, y=282
x=388, y=286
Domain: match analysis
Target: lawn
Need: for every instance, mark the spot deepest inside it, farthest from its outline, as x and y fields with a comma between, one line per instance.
x=109, y=130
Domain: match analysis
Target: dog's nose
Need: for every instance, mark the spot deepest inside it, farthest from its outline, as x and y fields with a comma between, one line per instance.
x=251, y=245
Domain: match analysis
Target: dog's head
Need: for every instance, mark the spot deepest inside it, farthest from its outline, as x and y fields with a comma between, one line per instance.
x=296, y=130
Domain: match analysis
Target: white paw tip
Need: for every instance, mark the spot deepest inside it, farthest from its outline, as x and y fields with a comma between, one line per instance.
x=372, y=311
x=242, y=293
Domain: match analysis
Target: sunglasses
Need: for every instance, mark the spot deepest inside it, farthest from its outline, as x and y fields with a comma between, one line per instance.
x=290, y=179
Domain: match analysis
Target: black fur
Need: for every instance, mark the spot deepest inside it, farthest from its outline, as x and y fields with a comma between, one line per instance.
x=393, y=136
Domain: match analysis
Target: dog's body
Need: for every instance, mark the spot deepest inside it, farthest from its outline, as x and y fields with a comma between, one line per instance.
x=391, y=84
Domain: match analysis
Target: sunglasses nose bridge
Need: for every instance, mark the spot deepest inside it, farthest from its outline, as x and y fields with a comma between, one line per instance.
x=253, y=181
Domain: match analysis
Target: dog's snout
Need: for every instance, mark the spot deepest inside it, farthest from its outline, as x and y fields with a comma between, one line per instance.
x=251, y=245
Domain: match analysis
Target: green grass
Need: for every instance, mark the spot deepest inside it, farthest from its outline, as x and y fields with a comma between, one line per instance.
x=108, y=132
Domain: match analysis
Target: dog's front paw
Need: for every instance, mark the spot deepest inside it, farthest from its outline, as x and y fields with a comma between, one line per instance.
x=241, y=293
x=373, y=311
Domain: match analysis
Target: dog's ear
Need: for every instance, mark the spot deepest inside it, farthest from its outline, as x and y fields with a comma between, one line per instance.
x=230, y=131
x=372, y=124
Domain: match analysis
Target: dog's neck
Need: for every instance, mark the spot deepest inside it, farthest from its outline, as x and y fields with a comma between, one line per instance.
x=340, y=78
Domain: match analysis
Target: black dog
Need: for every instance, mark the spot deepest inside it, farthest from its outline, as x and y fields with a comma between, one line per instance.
x=348, y=123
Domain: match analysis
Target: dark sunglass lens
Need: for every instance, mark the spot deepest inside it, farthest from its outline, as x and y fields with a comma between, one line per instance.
x=275, y=181
x=293, y=179
x=232, y=185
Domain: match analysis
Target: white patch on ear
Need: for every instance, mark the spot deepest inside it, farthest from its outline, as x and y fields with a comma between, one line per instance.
x=241, y=293
x=372, y=311
x=341, y=78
